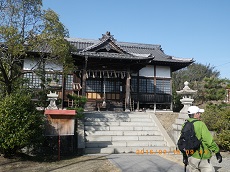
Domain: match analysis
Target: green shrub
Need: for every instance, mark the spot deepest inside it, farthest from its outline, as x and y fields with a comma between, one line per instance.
x=78, y=104
x=21, y=124
x=217, y=118
x=223, y=139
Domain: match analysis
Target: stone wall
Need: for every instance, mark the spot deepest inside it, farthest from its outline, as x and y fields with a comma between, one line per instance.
x=167, y=119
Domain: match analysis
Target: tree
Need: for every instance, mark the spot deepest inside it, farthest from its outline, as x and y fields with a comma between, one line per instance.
x=195, y=74
x=26, y=30
x=21, y=124
x=214, y=89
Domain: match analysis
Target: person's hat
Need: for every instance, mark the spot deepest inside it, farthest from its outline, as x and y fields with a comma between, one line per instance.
x=194, y=109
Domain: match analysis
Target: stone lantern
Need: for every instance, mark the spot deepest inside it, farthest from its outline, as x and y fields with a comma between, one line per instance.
x=52, y=96
x=187, y=100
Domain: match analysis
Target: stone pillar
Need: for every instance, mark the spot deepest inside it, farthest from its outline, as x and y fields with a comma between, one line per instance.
x=187, y=101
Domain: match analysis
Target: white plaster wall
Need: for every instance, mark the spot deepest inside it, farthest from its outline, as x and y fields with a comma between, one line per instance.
x=54, y=66
x=147, y=71
x=30, y=64
x=163, y=71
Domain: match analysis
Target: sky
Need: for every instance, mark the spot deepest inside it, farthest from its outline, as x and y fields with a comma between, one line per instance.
x=198, y=29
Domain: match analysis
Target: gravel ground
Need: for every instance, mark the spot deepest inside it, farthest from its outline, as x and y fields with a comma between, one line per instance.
x=72, y=164
x=89, y=163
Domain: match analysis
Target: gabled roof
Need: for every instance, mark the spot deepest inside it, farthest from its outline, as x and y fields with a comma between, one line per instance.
x=108, y=47
x=106, y=42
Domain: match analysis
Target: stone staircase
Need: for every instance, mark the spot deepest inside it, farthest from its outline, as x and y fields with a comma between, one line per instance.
x=124, y=132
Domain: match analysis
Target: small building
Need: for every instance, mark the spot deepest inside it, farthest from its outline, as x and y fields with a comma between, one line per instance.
x=116, y=75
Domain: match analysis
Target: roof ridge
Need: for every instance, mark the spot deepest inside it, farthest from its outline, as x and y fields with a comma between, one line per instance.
x=119, y=43
x=139, y=44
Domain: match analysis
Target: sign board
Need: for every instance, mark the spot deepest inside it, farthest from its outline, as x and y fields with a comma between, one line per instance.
x=59, y=122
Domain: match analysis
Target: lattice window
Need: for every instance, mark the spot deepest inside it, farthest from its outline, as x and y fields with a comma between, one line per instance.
x=33, y=80
x=112, y=86
x=93, y=85
x=142, y=85
x=56, y=77
x=150, y=85
x=134, y=84
x=69, y=82
x=146, y=85
x=163, y=86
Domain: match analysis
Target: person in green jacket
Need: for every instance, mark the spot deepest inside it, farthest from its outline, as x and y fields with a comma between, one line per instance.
x=200, y=160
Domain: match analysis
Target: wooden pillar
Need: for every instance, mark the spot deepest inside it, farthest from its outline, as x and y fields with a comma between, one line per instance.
x=155, y=86
x=171, y=104
x=84, y=77
x=63, y=91
x=138, y=93
x=127, y=91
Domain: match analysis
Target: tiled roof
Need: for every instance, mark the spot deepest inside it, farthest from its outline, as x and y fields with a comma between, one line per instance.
x=113, y=55
x=127, y=50
x=134, y=49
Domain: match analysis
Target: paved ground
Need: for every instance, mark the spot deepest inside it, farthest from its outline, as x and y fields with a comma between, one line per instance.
x=161, y=162
x=107, y=163
x=144, y=163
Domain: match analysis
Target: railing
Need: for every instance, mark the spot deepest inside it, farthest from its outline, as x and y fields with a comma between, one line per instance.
x=151, y=98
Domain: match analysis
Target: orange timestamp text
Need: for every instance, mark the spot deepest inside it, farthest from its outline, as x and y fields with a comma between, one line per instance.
x=160, y=152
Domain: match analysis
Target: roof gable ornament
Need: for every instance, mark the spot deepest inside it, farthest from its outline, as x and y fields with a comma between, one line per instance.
x=106, y=36
x=107, y=44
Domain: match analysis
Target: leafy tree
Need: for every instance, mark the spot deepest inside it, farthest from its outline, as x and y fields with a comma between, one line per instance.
x=16, y=17
x=214, y=89
x=26, y=30
x=21, y=124
x=195, y=74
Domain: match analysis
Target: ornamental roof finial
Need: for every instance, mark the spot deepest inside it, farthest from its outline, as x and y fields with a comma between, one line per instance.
x=108, y=33
x=106, y=36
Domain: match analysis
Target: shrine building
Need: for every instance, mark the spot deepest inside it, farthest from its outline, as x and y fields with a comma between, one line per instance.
x=117, y=76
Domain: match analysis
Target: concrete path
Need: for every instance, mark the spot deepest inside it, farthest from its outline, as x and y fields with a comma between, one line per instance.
x=144, y=163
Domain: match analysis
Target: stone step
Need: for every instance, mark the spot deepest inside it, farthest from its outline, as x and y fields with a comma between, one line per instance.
x=118, y=123
x=113, y=132
x=102, y=144
x=137, y=150
x=123, y=138
x=123, y=133
x=131, y=119
x=120, y=128
x=115, y=115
